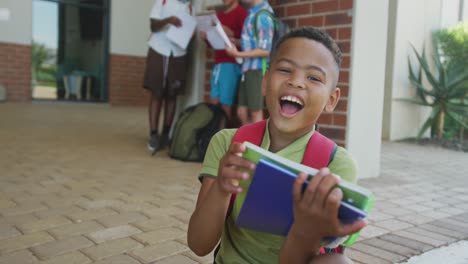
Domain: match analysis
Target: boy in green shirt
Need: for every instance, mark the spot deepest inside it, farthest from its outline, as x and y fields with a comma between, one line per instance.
x=298, y=87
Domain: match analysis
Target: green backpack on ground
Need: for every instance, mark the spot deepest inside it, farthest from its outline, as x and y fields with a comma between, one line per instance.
x=194, y=129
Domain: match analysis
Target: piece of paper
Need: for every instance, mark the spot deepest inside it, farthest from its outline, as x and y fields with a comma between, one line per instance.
x=181, y=35
x=215, y=40
x=215, y=34
x=206, y=22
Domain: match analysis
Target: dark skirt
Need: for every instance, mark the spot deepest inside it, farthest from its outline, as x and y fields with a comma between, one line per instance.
x=165, y=76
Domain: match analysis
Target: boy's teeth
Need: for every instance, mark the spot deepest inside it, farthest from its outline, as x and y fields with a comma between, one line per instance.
x=291, y=99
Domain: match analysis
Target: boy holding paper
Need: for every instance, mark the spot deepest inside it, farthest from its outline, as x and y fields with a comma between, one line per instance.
x=165, y=68
x=226, y=72
x=299, y=85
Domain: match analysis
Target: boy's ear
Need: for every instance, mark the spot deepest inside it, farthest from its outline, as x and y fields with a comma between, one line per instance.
x=264, y=83
x=333, y=99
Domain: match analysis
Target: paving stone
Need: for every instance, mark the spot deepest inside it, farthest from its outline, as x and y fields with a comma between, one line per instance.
x=443, y=231
x=75, y=257
x=430, y=234
x=91, y=214
x=157, y=223
x=20, y=219
x=159, y=251
x=393, y=224
x=404, y=241
x=112, y=248
x=457, y=223
x=365, y=258
x=6, y=203
x=75, y=229
x=121, y=219
x=176, y=260
x=22, y=209
x=99, y=203
x=398, y=211
x=43, y=224
x=24, y=241
x=415, y=219
x=378, y=252
x=59, y=211
x=421, y=238
x=160, y=235
x=59, y=247
x=113, y=233
x=22, y=256
x=463, y=232
x=7, y=231
x=378, y=216
x=119, y=259
x=392, y=247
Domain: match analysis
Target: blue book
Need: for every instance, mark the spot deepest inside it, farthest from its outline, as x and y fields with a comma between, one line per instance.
x=268, y=205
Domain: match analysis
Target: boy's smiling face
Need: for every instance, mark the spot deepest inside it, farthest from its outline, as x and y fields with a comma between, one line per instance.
x=299, y=85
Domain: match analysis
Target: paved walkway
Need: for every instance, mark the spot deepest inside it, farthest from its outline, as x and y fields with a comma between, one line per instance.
x=77, y=186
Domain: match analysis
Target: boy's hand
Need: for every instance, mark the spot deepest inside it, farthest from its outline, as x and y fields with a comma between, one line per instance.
x=316, y=210
x=175, y=21
x=203, y=35
x=229, y=173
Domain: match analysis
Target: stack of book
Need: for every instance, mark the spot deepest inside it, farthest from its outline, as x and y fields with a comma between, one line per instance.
x=267, y=203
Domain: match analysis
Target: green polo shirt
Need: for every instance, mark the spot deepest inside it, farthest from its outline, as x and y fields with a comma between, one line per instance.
x=240, y=245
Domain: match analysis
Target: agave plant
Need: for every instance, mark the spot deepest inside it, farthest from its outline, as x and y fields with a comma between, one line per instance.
x=446, y=94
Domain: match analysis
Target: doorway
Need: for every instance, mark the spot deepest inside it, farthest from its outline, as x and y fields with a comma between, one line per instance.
x=70, y=50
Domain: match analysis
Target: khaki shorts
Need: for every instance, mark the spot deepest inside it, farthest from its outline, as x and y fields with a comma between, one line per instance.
x=250, y=90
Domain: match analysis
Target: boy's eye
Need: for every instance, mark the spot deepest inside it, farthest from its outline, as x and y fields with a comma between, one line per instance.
x=313, y=78
x=284, y=70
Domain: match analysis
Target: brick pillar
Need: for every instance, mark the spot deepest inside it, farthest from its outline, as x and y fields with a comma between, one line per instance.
x=126, y=80
x=15, y=71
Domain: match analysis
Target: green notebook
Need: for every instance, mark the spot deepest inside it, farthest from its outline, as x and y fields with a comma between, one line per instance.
x=353, y=195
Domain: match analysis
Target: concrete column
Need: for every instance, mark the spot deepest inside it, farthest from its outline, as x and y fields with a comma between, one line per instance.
x=367, y=73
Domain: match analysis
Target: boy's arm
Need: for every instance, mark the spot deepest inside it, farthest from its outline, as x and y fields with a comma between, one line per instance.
x=207, y=221
x=315, y=217
x=255, y=53
x=158, y=24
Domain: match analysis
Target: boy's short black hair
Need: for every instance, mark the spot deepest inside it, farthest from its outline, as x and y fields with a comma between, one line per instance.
x=313, y=34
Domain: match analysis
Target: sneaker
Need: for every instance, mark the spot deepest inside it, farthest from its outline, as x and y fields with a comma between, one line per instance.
x=164, y=140
x=153, y=144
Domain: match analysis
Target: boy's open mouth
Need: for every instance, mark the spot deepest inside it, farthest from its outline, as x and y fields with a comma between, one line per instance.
x=290, y=105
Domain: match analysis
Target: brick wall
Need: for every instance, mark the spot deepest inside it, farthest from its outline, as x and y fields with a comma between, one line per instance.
x=334, y=16
x=15, y=71
x=126, y=80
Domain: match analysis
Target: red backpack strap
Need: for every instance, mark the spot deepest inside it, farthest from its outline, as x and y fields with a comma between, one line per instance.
x=252, y=133
x=319, y=151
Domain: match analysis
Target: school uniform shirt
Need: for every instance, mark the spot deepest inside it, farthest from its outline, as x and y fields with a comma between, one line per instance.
x=163, y=9
x=241, y=245
x=234, y=20
x=265, y=30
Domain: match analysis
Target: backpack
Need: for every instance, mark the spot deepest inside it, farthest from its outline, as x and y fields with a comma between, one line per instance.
x=253, y=133
x=280, y=29
x=194, y=129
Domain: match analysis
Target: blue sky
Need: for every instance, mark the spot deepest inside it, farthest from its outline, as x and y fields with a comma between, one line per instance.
x=45, y=26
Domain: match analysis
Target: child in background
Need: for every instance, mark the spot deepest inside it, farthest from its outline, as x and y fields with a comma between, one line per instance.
x=165, y=72
x=299, y=85
x=226, y=72
x=254, y=48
